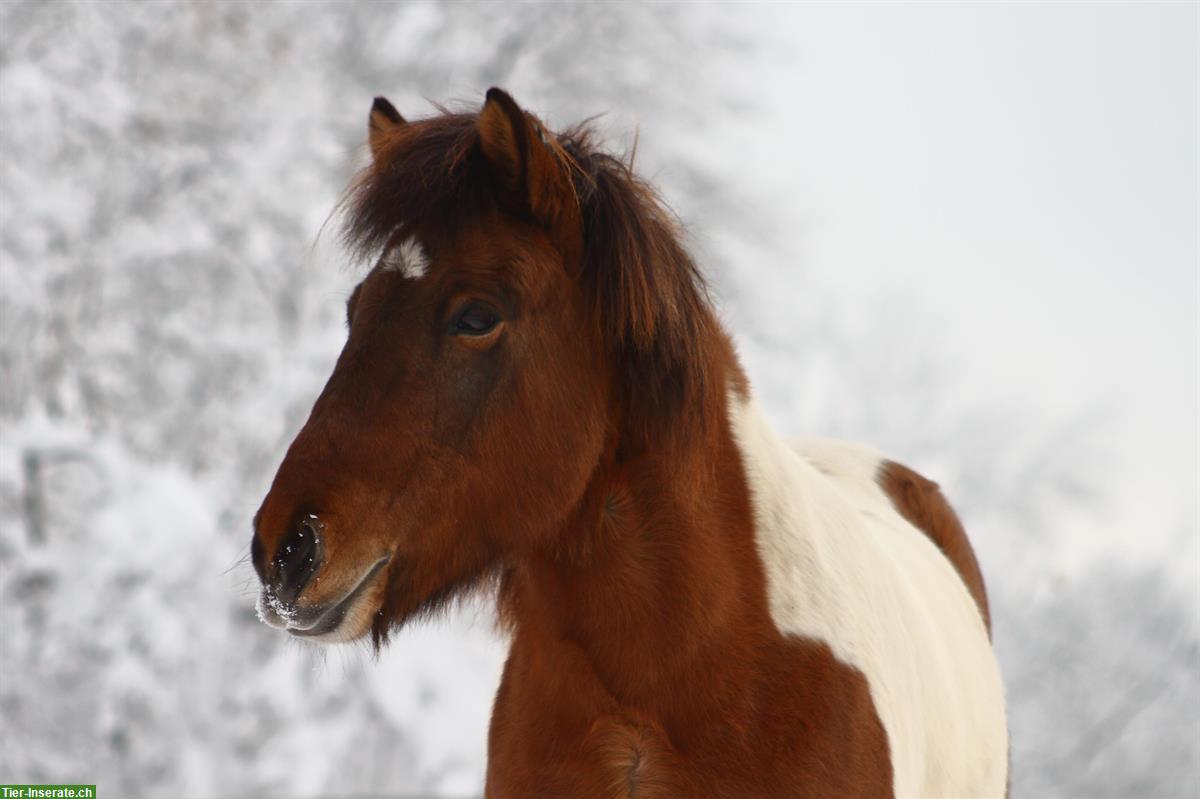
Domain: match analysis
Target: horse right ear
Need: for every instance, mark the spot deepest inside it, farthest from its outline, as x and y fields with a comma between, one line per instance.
x=384, y=119
x=522, y=157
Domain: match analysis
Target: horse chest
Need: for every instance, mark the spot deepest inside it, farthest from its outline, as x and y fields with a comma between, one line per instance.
x=811, y=730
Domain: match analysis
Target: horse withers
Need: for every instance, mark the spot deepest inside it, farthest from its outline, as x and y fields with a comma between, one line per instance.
x=536, y=395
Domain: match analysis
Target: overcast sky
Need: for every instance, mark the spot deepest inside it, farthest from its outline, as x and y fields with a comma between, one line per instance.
x=1036, y=189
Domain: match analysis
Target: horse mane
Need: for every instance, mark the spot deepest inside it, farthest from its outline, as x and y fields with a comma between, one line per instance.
x=647, y=297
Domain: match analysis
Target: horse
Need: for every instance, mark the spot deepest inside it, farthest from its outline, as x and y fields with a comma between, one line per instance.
x=536, y=397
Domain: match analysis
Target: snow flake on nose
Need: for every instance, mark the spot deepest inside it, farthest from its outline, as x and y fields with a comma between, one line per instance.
x=273, y=611
x=408, y=258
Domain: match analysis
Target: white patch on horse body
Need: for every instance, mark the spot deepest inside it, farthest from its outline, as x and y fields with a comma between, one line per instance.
x=844, y=567
x=408, y=258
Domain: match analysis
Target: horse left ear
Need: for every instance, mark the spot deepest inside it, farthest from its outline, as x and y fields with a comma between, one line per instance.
x=383, y=120
x=522, y=158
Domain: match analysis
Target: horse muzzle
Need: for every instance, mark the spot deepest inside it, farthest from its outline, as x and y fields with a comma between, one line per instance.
x=296, y=566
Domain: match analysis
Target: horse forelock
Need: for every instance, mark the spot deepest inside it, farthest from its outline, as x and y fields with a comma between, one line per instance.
x=426, y=177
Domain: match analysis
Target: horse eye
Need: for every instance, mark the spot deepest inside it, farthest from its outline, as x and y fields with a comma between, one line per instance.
x=475, y=320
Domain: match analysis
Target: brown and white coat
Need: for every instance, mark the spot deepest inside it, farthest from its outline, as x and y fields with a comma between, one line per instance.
x=537, y=394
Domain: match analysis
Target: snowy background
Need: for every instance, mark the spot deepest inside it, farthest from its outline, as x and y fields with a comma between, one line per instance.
x=966, y=234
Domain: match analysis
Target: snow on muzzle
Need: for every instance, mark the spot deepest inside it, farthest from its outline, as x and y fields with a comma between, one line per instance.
x=298, y=559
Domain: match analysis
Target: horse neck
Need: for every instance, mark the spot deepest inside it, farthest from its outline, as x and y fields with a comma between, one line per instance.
x=656, y=579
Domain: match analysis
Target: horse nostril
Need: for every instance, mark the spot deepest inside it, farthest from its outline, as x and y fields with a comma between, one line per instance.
x=298, y=558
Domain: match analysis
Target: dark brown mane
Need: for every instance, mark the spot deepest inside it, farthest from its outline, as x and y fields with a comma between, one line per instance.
x=648, y=298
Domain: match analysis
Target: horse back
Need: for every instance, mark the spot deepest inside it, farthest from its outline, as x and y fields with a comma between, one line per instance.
x=914, y=497
x=867, y=535
x=921, y=503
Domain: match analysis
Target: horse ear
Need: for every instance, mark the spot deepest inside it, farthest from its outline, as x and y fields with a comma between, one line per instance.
x=384, y=119
x=521, y=157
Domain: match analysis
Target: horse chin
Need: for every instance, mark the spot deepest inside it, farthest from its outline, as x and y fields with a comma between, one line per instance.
x=400, y=606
